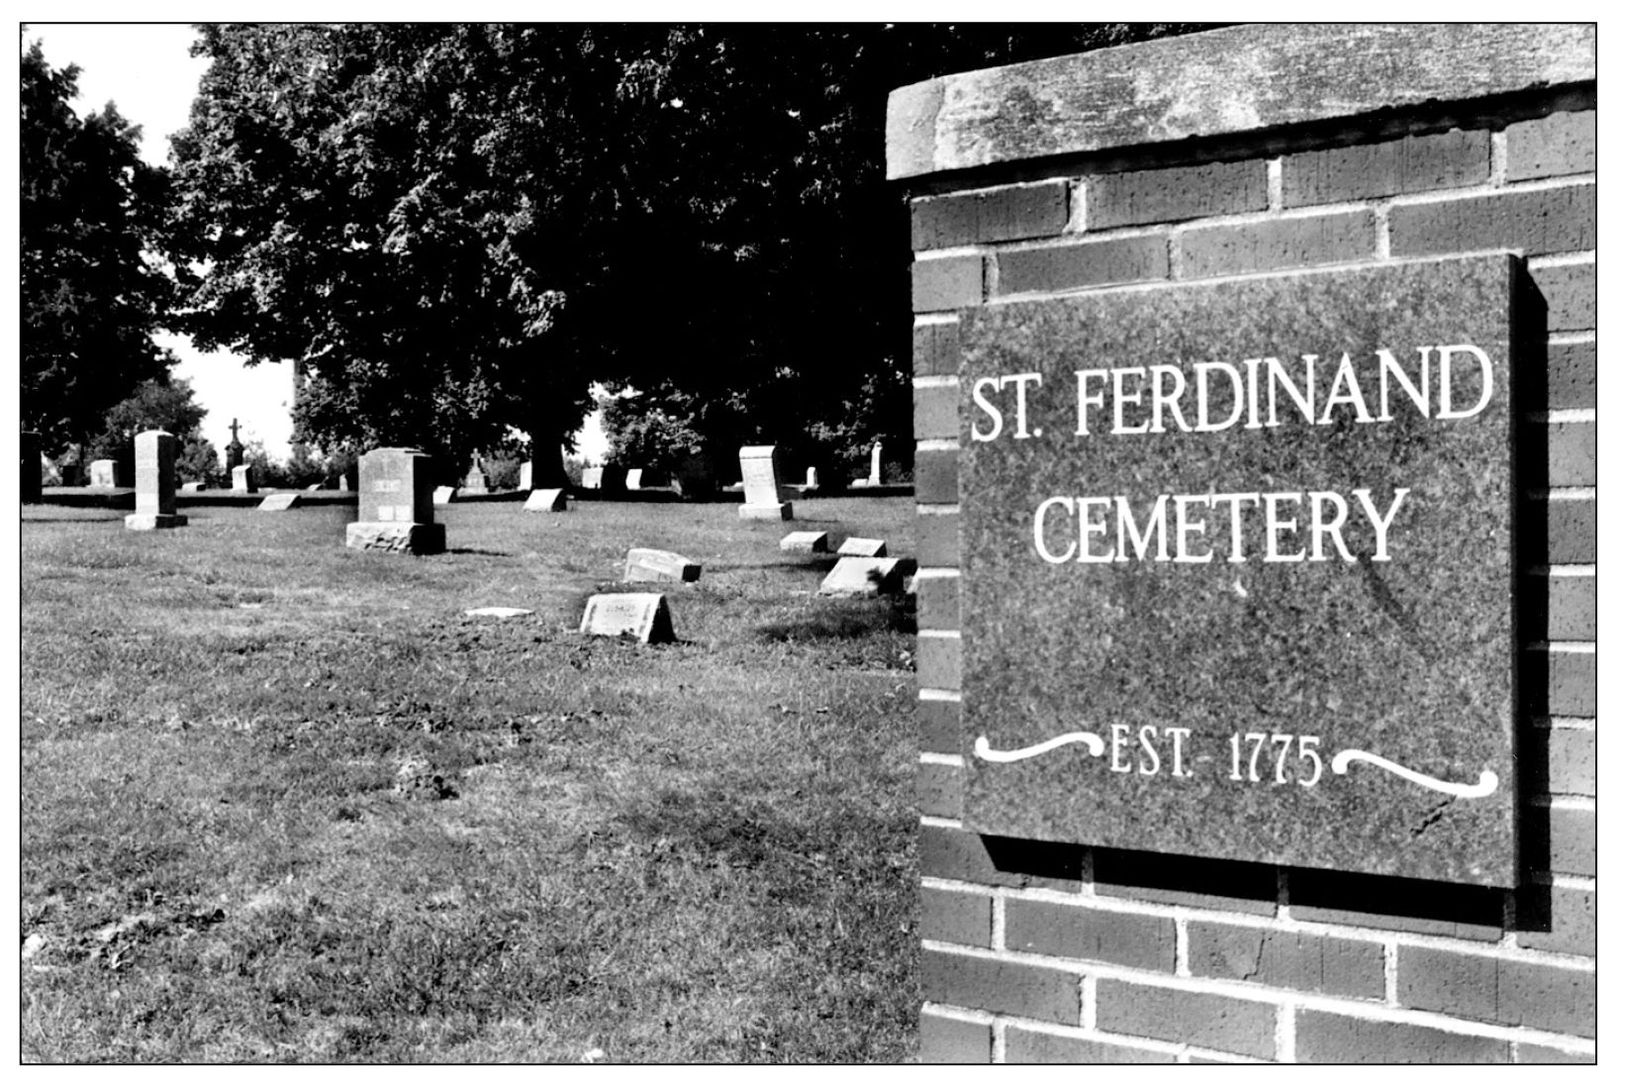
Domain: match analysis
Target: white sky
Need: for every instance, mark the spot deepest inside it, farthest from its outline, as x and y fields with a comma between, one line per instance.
x=144, y=69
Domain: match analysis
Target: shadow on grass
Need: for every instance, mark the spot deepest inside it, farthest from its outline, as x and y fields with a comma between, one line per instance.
x=71, y=519
x=845, y=618
x=821, y=565
x=478, y=552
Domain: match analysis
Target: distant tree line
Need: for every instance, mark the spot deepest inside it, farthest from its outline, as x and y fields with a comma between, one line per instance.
x=454, y=231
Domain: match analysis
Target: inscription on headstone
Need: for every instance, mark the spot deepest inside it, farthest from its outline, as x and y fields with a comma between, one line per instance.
x=394, y=509
x=155, y=483
x=759, y=472
x=640, y=616
x=1236, y=566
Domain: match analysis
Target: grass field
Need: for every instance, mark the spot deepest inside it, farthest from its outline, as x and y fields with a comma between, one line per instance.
x=284, y=801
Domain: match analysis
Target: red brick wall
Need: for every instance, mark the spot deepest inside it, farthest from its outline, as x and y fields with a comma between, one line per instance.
x=1041, y=952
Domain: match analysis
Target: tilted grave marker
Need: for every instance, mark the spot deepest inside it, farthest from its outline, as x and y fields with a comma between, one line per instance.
x=806, y=541
x=547, y=500
x=641, y=616
x=658, y=565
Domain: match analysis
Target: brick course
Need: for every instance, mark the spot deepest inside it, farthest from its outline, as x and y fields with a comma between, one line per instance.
x=939, y=723
x=1293, y=960
x=946, y=283
x=1087, y=264
x=937, y=537
x=1513, y=993
x=939, y=789
x=1128, y=940
x=966, y=981
x=937, y=602
x=1571, y=292
x=937, y=412
x=990, y=216
x=1290, y=243
x=1572, y=377
x=1377, y=170
x=937, y=348
x=1024, y=1046
x=954, y=1041
x=1553, y=220
x=1330, y=1038
x=1564, y=143
x=1168, y=194
x=958, y=917
x=1223, y=1023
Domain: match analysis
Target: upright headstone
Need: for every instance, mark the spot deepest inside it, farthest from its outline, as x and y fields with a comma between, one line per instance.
x=31, y=473
x=242, y=479
x=658, y=565
x=640, y=616
x=526, y=470
x=635, y=479
x=475, y=480
x=812, y=483
x=394, y=510
x=444, y=494
x=875, y=465
x=547, y=500
x=234, y=452
x=191, y=487
x=155, y=483
x=103, y=474
x=592, y=477
x=759, y=472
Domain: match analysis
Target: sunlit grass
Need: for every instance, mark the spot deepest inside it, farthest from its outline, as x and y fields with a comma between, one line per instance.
x=233, y=849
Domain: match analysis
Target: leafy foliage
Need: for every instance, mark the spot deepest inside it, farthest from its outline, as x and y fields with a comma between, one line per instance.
x=90, y=212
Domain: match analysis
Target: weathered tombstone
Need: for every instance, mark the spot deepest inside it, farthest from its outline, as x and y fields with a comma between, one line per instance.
x=656, y=565
x=155, y=483
x=475, y=480
x=641, y=616
x=279, y=502
x=760, y=474
x=103, y=474
x=191, y=487
x=344, y=483
x=592, y=477
x=242, y=480
x=812, y=482
x=31, y=474
x=526, y=469
x=395, y=512
x=855, y=546
x=805, y=541
x=547, y=500
x=635, y=479
x=444, y=494
x=875, y=465
x=863, y=576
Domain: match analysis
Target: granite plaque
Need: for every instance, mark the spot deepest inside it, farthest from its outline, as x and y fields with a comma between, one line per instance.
x=1237, y=569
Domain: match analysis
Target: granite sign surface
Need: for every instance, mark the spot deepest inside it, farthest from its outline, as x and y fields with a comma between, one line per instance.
x=1237, y=569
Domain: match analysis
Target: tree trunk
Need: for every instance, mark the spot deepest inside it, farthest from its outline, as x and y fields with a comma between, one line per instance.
x=547, y=460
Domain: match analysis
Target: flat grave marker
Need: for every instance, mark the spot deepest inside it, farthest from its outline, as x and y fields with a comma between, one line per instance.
x=279, y=502
x=658, y=565
x=857, y=546
x=641, y=616
x=863, y=576
x=547, y=500
x=805, y=541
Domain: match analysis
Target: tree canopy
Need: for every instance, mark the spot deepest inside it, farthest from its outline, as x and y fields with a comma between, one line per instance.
x=90, y=215
x=457, y=229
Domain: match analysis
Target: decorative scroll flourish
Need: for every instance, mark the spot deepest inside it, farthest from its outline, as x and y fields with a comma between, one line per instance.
x=1487, y=779
x=987, y=753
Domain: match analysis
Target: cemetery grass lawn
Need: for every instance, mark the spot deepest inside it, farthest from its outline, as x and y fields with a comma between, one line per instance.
x=235, y=848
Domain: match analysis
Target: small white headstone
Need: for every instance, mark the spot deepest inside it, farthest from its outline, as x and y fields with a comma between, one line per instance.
x=191, y=487
x=658, y=565
x=875, y=464
x=854, y=546
x=280, y=502
x=242, y=480
x=592, y=477
x=525, y=470
x=547, y=500
x=499, y=611
x=444, y=494
x=642, y=616
x=808, y=541
x=635, y=478
x=102, y=473
x=812, y=478
x=863, y=576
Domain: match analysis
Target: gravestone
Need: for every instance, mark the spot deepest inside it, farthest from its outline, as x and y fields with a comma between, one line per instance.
x=1290, y=533
x=394, y=511
x=592, y=477
x=31, y=477
x=635, y=479
x=863, y=576
x=855, y=546
x=279, y=502
x=444, y=494
x=155, y=483
x=313, y=487
x=656, y=565
x=547, y=500
x=475, y=480
x=526, y=469
x=875, y=465
x=641, y=616
x=812, y=482
x=103, y=474
x=759, y=473
x=242, y=480
x=191, y=487
x=805, y=541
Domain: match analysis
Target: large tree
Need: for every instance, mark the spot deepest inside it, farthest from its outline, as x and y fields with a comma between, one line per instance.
x=457, y=229
x=91, y=287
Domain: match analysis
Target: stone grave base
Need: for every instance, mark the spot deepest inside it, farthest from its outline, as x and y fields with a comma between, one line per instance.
x=139, y=521
x=780, y=511
x=424, y=539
